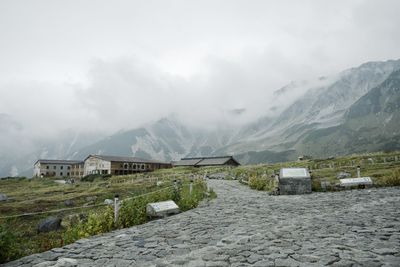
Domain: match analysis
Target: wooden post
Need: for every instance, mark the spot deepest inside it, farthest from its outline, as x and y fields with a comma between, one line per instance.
x=116, y=208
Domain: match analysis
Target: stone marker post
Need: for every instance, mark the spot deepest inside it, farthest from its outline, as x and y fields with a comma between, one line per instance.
x=191, y=186
x=116, y=208
x=358, y=172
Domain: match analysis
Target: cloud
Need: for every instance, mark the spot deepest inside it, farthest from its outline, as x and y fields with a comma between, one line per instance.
x=121, y=65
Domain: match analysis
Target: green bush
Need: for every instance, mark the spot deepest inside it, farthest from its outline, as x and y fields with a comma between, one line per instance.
x=8, y=248
x=133, y=211
x=316, y=185
x=392, y=180
x=92, y=177
x=189, y=201
x=97, y=222
x=262, y=183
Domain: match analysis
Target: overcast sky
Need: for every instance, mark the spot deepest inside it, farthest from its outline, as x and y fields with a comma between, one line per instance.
x=107, y=65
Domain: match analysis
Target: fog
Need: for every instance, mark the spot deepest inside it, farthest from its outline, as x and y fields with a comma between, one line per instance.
x=102, y=66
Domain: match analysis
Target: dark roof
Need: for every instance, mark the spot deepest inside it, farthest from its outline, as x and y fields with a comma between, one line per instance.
x=125, y=159
x=187, y=162
x=214, y=161
x=205, y=161
x=58, y=161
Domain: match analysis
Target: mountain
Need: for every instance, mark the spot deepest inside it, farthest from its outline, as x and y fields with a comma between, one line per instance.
x=167, y=139
x=324, y=105
x=312, y=123
x=19, y=150
x=370, y=124
x=356, y=110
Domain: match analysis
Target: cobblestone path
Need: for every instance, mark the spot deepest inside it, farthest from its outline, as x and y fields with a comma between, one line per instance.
x=243, y=227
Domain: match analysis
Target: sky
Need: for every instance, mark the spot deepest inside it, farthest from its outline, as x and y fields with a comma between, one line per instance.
x=103, y=66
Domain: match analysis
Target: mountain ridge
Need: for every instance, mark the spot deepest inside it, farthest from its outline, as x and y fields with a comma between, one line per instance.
x=314, y=123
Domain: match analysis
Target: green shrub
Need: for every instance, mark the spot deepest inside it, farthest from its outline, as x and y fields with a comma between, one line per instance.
x=133, y=211
x=212, y=194
x=189, y=201
x=8, y=247
x=97, y=222
x=92, y=177
x=262, y=183
x=391, y=180
x=316, y=185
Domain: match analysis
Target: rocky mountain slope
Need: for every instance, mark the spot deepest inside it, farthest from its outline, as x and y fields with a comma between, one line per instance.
x=329, y=104
x=355, y=111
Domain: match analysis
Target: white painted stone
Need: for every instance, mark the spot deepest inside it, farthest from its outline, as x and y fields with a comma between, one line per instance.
x=162, y=209
x=356, y=181
x=294, y=172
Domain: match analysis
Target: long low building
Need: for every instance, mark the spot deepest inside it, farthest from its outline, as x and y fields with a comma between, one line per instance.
x=95, y=164
x=102, y=164
x=54, y=168
x=207, y=161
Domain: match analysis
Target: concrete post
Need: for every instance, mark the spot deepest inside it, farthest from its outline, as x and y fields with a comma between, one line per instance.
x=116, y=208
x=358, y=172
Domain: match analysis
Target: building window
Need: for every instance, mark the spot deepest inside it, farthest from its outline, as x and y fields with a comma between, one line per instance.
x=67, y=173
x=134, y=166
x=68, y=167
x=54, y=167
x=62, y=167
x=47, y=167
x=61, y=174
x=142, y=166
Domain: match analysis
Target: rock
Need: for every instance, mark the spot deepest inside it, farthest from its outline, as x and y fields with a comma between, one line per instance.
x=49, y=224
x=108, y=201
x=69, y=203
x=91, y=198
x=3, y=197
x=343, y=175
x=220, y=175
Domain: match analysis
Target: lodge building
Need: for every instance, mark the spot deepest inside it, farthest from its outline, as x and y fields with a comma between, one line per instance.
x=53, y=168
x=101, y=164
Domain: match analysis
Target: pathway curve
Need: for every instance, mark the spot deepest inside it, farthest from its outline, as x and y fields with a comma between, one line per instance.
x=243, y=227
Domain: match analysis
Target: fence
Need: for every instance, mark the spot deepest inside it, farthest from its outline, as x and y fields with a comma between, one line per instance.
x=116, y=204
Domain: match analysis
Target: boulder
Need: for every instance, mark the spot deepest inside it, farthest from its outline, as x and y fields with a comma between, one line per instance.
x=217, y=176
x=91, y=198
x=108, y=201
x=3, y=197
x=343, y=175
x=69, y=203
x=49, y=224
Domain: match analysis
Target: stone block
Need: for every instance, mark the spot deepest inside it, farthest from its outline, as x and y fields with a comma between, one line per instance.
x=162, y=209
x=294, y=181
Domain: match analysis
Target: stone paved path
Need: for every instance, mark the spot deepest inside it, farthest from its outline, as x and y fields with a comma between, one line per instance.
x=243, y=227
